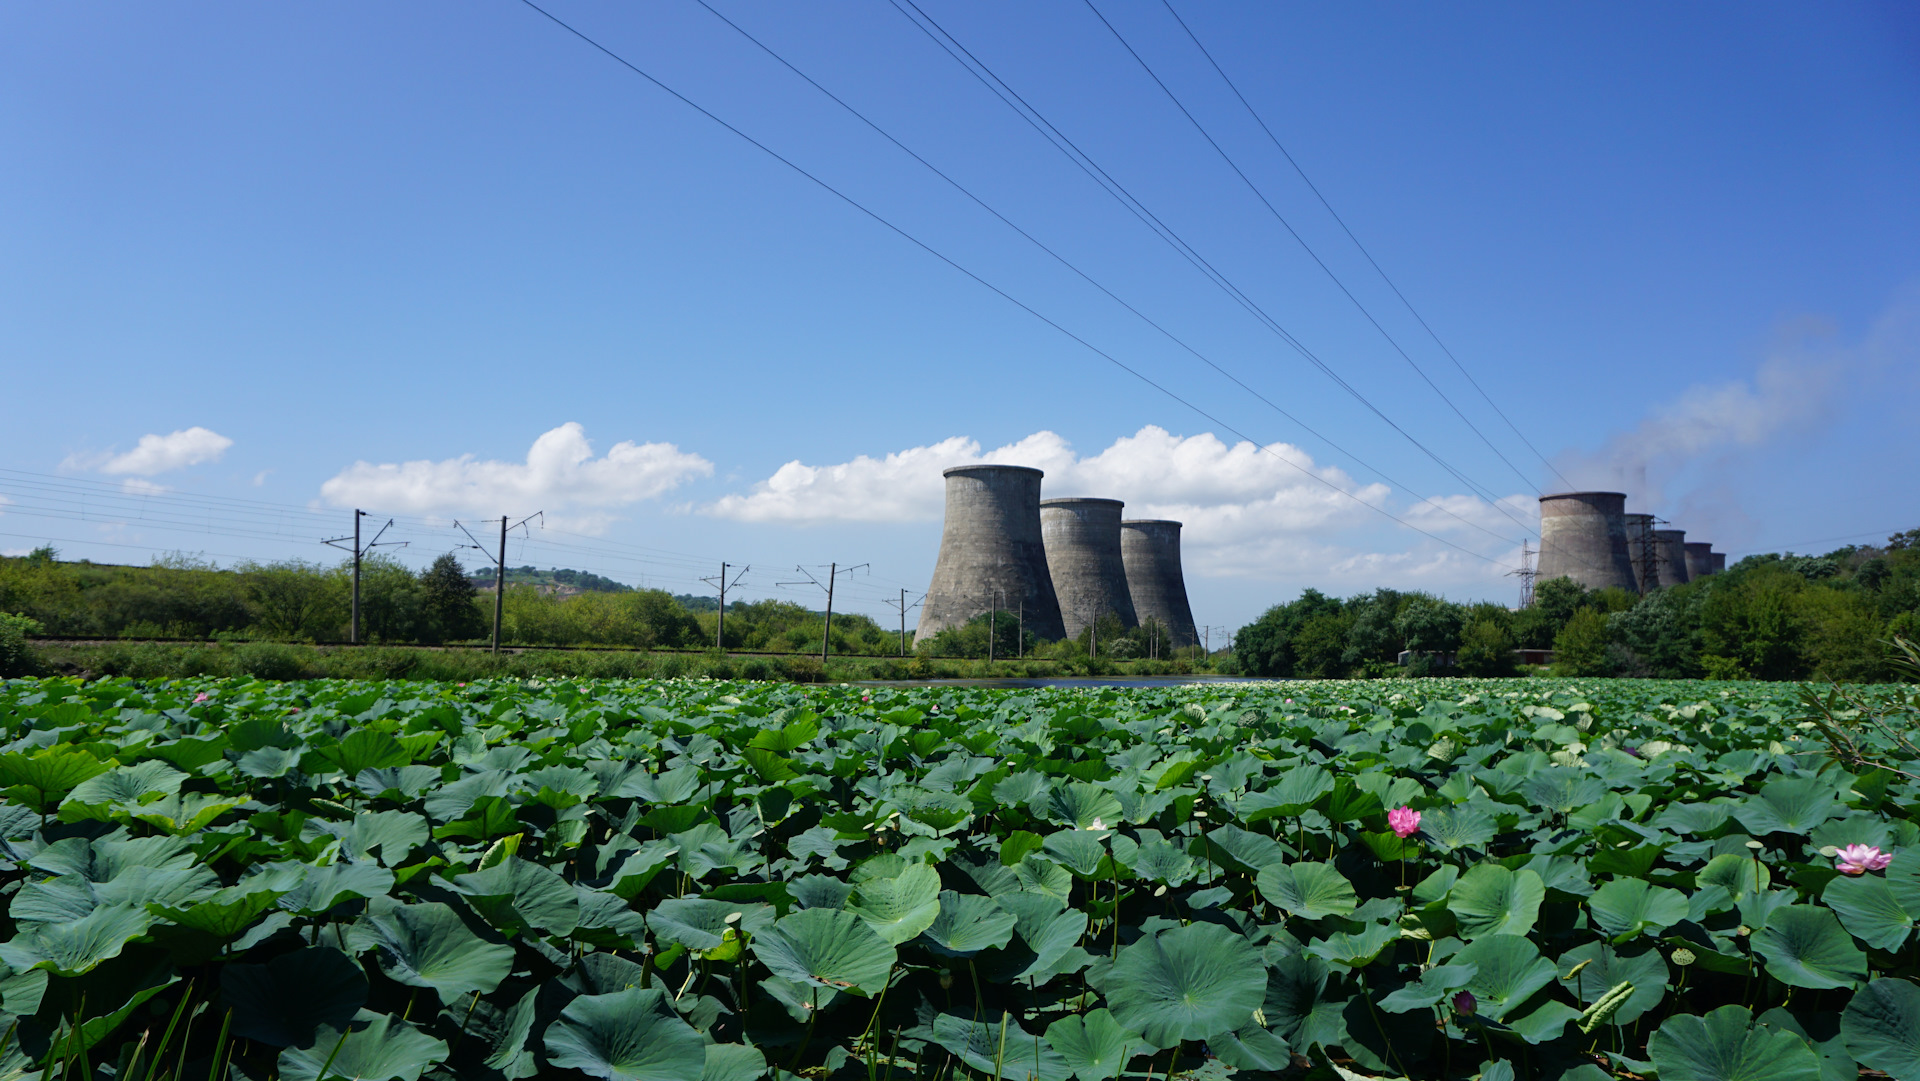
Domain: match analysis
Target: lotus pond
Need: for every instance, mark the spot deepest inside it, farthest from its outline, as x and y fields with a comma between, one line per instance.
x=699, y=881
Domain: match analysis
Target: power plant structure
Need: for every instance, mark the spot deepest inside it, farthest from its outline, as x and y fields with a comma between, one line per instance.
x=992, y=557
x=1673, y=556
x=1082, y=539
x=1641, y=550
x=1151, y=550
x=1583, y=536
x=1699, y=559
x=1061, y=563
x=1578, y=540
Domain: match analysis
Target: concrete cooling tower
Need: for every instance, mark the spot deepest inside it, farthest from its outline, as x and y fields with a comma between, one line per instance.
x=1673, y=556
x=1083, y=556
x=1716, y=562
x=1583, y=536
x=1640, y=550
x=991, y=544
x=1151, y=551
x=1699, y=559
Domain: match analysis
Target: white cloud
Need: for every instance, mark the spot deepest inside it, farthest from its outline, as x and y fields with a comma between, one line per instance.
x=156, y=454
x=137, y=486
x=560, y=475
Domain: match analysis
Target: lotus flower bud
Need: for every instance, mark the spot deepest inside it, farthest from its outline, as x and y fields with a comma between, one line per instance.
x=1465, y=1004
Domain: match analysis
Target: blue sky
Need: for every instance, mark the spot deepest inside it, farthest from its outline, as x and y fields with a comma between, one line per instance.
x=1677, y=246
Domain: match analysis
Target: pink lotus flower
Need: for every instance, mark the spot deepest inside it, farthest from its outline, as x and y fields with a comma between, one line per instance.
x=1403, y=821
x=201, y=697
x=1859, y=859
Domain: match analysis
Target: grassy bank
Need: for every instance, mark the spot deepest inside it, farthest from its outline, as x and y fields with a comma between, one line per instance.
x=273, y=660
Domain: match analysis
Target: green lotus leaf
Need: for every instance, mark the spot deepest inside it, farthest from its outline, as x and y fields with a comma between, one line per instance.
x=283, y=1002
x=1491, y=900
x=182, y=814
x=967, y=924
x=1185, y=984
x=1805, y=946
x=1434, y=984
x=122, y=784
x=1354, y=949
x=702, y=924
x=901, y=907
x=226, y=914
x=401, y=784
x=733, y=1062
x=518, y=896
x=1788, y=805
x=1881, y=1027
x=1871, y=910
x=364, y=749
x=427, y=945
x=1508, y=970
x=1627, y=907
x=631, y=1035
x=321, y=888
x=1080, y=850
x=1046, y=930
x=1740, y=876
x=1608, y=966
x=1093, y=1044
x=378, y=1048
x=979, y=1045
x=49, y=772
x=69, y=949
x=1079, y=805
x=1308, y=890
x=1455, y=828
x=827, y=948
x=1037, y=874
x=1726, y=1045
x=1251, y=1048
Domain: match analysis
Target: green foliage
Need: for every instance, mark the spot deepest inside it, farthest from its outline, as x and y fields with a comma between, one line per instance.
x=577, y=878
x=17, y=657
x=1580, y=649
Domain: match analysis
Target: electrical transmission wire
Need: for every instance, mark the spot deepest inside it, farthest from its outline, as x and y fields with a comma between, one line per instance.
x=977, y=68
x=1304, y=246
x=1003, y=294
x=1371, y=261
x=1090, y=280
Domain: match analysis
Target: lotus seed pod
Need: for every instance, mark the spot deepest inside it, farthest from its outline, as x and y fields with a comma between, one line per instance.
x=1683, y=957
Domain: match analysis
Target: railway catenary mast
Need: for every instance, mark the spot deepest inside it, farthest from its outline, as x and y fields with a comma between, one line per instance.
x=991, y=541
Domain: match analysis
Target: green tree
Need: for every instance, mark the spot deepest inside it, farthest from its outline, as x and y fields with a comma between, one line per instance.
x=1320, y=645
x=447, y=602
x=1580, y=649
x=296, y=600
x=1486, y=648
x=1430, y=625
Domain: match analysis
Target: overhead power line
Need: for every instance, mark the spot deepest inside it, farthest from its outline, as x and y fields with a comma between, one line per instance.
x=974, y=66
x=1302, y=241
x=1371, y=261
x=1003, y=294
x=1083, y=275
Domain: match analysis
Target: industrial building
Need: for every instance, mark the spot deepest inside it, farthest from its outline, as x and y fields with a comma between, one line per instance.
x=1082, y=538
x=1583, y=536
x=1150, y=549
x=1062, y=563
x=991, y=552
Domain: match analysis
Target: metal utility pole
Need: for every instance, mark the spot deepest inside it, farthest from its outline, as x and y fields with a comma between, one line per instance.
x=993, y=625
x=359, y=551
x=1526, y=574
x=904, y=608
x=720, y=624
x=833, y=572
x=499, y=565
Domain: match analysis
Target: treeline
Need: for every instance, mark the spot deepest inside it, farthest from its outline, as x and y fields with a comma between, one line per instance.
x=1770, y=617
x=297, y=601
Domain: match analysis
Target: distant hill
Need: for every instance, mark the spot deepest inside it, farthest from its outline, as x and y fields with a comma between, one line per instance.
x=553, y=580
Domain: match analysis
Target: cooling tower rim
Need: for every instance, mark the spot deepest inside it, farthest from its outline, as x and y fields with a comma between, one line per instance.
x=1669, y=534
x=1578, y=495
x=1069, y=500
x=1639, y=514
x=1706, y=547
x=988, y=467
x=1125, y=522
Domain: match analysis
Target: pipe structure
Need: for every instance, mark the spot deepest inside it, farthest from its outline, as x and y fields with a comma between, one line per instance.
x=1699, y=559
x=1583, y=536
x=1150, y=549
x=1083, y=557
x=1640, y=549
x=1716, y=562
x=991, y=553
x=1673, y=556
